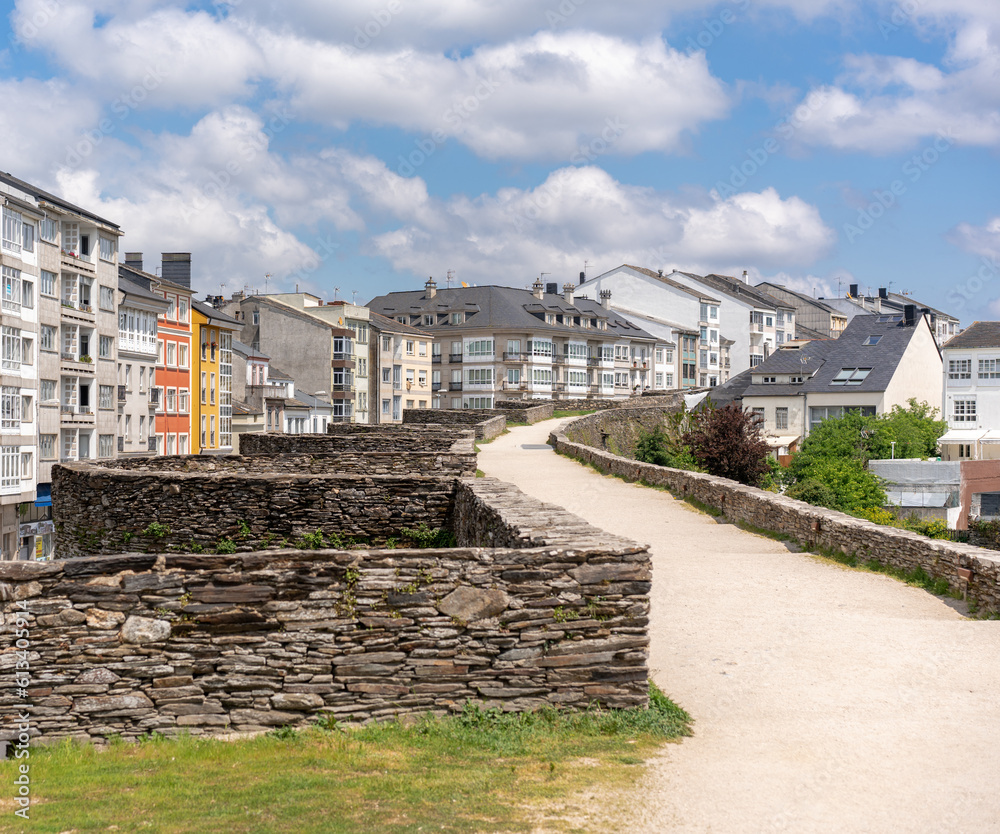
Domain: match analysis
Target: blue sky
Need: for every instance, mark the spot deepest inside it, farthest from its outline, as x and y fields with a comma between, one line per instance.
x=815, y=143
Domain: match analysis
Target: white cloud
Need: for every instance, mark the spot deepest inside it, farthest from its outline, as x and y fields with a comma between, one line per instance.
x=979, y=240
x=539, y=97
x=582, y=214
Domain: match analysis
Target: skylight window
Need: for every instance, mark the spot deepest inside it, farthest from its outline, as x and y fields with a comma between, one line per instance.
x=851, y=376
x=873, y=340
x=887, y=319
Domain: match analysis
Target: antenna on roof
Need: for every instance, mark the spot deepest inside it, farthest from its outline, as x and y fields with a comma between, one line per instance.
x=335, y=291
x=354, y=296
x=585, y=265
x=266, y=276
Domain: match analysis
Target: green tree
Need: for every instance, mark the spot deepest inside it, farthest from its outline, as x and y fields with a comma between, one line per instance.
x=840, y=484
x=727, y=442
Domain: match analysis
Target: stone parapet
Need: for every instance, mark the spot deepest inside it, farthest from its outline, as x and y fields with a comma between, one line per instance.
x=486, y=422
x=972, y=571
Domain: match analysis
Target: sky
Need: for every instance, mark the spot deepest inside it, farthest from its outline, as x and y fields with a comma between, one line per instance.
x=355, y=148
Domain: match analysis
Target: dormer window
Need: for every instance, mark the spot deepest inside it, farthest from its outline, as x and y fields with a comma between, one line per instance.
x=769, y=379
x=457, y=318
x=851, y=376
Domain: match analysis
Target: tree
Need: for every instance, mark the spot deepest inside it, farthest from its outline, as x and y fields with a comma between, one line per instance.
x=840, y=484
x=727, y=443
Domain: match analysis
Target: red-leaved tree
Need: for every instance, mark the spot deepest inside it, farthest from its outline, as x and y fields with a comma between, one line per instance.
x=727, y=442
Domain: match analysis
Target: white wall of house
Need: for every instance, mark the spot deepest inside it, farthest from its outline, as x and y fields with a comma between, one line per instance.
x=918, y=375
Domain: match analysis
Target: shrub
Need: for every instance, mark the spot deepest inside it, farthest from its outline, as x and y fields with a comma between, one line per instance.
x=727, y=442
x=813, y=492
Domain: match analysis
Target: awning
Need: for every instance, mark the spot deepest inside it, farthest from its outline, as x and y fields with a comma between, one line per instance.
x=43, y=495
x=992, y=436
x=963, y=436
x=777, y=441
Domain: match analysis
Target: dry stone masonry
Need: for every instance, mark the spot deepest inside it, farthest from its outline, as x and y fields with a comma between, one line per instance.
x=533, y=607
x=969, y=570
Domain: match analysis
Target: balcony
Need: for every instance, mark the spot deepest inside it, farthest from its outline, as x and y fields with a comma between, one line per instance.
x=77, y=263
x=78, y=312
x=454, y=386
x=515, y=357
x=558, y=386
x=340, y=418
x=454, y=357
x=436, y=359
x=77, y=364
x=756, y=327
x=154, y=397
x=76, y=415
x=435, y=386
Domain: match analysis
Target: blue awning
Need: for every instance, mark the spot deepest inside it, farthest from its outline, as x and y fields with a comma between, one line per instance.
x=43, y=495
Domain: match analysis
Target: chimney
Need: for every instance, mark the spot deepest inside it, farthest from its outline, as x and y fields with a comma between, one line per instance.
x=877, y=303
x=551, y=287
x=606, y=299
x=537, y=290
x=430, y=288
x=746, y=278
x=883, y=292
x=659, y=272
x=134, y=260
x=568, y=293
x=910, y=315
x=852, y=291
x=583, y=277
x=177, y=268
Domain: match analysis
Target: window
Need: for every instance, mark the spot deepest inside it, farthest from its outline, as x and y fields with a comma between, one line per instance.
x=183, y=401
x=959, y=369
x=541, y=376
x=47, y=391
x=142, y=379
x=385, y=407
x=128, y=377
x=171, y=354
x=211, y=430
x=13, y=233
x=851, y=376
x=12, y=289
x=47, y=446
x=10, y=348
x=182, y=355
x=182, y=444
x=47, y=337
x=387, y=375
x=409, y=347
x=387, y=343
x=171, y=313
x=48, y=230
x=514, y=347
x=128, y=427
x=964, y=410
x=105, y=445
x=767, y=380
x=873, y=340
x=171, y=399
x=204, y=388
x=107, y=249
x=781, y=417
x=10, y=467
x=988, y=369
x=513, y=376
x=171, y=441
x=480, y=376
x=479, y=347
x=204, y=432
x=457, y=318
x=540, y=348
x=817, y=414
x=10, y=407
x=107, y=297
x=211, y=390
x=422, y=378
x=142, y=428
x=105, y=347
x=48, y=283
x=421, y=348
x=27, y=460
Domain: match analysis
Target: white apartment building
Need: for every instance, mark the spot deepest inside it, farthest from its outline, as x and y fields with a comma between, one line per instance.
x=971, y=393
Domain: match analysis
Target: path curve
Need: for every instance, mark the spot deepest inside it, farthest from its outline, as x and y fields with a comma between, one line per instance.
x=825, y=699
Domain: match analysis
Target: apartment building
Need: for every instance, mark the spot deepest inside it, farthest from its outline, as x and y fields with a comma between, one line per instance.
x=404, y=371
x=886, y=302
x=971, y=393
x=318, y=354
x=687, y=321
x=812, y=314
x=495, y=343
x=172, y=388
x=355, y=318
x=212, y=370
x=138, y=396
x=60, y=287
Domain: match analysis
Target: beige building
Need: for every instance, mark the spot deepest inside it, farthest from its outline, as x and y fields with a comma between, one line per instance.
x=402, y=359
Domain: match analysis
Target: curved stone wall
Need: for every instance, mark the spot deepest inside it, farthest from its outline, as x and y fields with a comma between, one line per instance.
x=971, y=571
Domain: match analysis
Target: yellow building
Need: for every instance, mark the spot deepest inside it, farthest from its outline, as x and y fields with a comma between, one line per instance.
x=212, y=380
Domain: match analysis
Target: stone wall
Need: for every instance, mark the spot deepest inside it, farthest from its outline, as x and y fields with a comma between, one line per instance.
x=969, y=570
x=487, y=423
x=612, y=431
x=109, y=510
x=525, y=412
x=169, y=642
x=358, y=438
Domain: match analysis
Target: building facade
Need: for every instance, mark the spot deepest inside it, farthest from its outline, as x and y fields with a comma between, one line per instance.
x=404, y=373
x=971, y=394
x=495, y=343
x=59, y=352
x=212, y=371
x=137, y=394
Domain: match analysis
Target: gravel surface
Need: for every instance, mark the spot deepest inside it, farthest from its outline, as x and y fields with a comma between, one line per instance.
x=825, y=699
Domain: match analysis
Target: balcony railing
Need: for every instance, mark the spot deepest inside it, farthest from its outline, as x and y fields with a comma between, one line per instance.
x=436, y=359
x=154, y=397
x=454, y=357
x=514, y=357
x=454, y=386
x=435, y=386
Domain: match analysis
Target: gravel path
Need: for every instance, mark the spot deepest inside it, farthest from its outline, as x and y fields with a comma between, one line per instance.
x=825, y=699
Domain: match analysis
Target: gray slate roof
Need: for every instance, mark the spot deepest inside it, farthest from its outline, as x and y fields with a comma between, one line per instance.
x=494, y=308
x=136, y=289
x=735, y=288
x=828, y=357
x=979, y=334
x=664, y=279
x=764, y=286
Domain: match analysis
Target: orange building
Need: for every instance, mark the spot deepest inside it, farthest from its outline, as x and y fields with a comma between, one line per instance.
x=173, y=363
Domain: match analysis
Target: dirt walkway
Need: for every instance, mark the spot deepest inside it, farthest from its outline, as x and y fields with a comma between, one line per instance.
x=825, y=699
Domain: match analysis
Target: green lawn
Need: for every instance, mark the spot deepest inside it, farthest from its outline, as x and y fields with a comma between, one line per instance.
x=481, y=771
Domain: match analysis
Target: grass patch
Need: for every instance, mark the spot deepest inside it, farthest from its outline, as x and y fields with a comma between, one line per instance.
x=917, y=577
x=483, y=770
x=715, y=512
x=761, y=531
